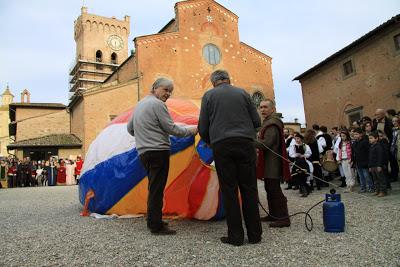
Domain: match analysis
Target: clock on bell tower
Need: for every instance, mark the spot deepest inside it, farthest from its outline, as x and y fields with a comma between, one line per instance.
x=101, y=46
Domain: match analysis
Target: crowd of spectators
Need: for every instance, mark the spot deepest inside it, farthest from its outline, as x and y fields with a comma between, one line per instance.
x=367, y=153
x=28, y=173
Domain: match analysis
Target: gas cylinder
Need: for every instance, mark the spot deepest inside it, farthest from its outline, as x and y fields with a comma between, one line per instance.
x=333, y=212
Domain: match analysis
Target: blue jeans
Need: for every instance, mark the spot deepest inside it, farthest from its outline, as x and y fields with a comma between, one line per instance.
x=363, y=173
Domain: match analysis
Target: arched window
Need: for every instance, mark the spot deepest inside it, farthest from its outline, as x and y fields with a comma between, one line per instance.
x=114, y=58
x=257, y=97
x=99, y=58
x=211, y=54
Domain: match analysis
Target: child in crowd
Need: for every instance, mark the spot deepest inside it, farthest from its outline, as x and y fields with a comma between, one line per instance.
x=360, y=158
x=376, y=164
x=316, y=149
x=368, y=128
x=300, y=152
x=344, y=158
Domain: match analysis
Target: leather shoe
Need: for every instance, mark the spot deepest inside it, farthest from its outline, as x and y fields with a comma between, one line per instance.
x=163, y=231
x=164, y=223
x=226, y=240
x=255, y=240
x=268, y=219
x=280, y=223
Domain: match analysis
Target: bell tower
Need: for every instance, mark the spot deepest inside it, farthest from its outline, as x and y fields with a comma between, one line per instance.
x=7, y=98
x=101, y=46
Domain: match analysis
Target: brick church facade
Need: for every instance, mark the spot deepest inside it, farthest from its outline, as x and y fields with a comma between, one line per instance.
x=202, y=37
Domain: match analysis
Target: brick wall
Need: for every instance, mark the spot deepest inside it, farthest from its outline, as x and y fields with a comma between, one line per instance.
x=57, y=122
x=126, y=72
x=118, y=98
x=179, y=55
x=78, y=120
x=65, y=153
x=327, y=94
x=29, y=112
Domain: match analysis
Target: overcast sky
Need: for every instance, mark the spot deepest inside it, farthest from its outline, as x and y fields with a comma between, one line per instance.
x=37, y=46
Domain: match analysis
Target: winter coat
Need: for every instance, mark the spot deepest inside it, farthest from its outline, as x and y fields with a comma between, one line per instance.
x=361, y=152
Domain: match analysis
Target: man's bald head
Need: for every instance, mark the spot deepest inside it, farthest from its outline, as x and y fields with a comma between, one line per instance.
x=380, y=113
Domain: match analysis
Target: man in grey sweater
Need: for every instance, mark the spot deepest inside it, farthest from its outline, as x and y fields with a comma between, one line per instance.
x=228, y=120
x=151, y=126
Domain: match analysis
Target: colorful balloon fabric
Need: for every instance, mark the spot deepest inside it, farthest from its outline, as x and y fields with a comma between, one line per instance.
x=113, y=170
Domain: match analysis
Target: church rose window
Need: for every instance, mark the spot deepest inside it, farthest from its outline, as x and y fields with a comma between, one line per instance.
x=211, y=54
x=257, y=97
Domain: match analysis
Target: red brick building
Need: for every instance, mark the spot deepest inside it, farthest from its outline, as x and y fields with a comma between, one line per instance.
x=356, y=80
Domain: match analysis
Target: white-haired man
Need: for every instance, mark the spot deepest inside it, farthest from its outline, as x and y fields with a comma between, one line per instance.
x=152, y=125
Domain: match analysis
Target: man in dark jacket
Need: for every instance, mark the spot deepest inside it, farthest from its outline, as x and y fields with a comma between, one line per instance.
x=384, y=124
x=360, y=158
x=270, y=141
x=227, y=122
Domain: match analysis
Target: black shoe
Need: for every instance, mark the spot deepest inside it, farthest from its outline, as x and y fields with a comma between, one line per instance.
x=163, y=231
x=226, y=240
x=268, y=218
x=288, y=188
x=255, y=240
x=296, y=187
x=280, y=223
x=164, y=223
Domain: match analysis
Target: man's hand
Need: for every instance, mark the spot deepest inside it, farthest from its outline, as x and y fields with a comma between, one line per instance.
x=193, y=130
x=379, y=169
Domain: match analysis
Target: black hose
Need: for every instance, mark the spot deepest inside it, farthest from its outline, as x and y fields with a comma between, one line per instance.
x=306, y=215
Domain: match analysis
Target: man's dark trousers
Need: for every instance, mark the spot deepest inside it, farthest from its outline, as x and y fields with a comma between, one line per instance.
x=235, y=161
x=156, y=164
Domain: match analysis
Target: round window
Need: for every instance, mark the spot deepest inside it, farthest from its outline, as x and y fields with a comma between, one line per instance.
x=257, y=97
x=211, y=54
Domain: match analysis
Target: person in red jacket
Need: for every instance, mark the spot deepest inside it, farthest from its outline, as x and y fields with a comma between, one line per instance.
x=78, y=168
x=61, y=174
x=12, y=174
